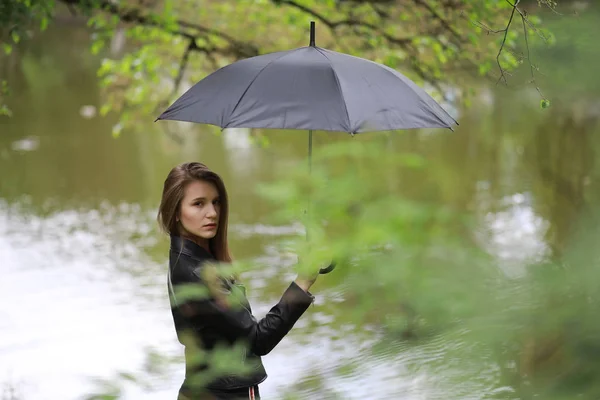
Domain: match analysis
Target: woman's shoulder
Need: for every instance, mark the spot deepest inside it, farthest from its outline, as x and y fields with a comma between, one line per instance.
x=184, y=268
x=185, y=247
x=187, y=259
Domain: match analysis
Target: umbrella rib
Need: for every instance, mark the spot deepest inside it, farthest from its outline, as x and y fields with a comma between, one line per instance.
x=250, y=84
x=337, y=81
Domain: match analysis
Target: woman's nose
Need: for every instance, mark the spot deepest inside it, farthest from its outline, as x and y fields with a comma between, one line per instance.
x=212, y=210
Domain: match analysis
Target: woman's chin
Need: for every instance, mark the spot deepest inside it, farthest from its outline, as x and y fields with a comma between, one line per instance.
x=207, y=235
x=202, y=235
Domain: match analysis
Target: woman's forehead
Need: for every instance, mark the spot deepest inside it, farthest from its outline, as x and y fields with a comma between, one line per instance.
x=201, y=189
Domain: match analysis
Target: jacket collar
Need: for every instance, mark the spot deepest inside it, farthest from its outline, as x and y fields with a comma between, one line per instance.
x=189, y=248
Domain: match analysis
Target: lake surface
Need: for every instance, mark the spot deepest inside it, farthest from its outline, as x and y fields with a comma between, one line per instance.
x=83, y=291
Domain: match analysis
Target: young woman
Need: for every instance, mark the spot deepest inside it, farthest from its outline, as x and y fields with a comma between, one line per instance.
x=194, y=211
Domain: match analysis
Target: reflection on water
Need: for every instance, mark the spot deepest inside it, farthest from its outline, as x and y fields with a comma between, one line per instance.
x=83, y=269
x=515, y=234
x=68, y=308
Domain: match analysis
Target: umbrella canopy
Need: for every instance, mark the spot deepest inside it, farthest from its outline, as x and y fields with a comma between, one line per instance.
x=309, y=88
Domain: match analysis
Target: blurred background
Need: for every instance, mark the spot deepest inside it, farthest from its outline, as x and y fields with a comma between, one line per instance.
x=514, y=192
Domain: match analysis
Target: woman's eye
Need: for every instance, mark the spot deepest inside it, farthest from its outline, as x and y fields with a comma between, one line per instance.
x=198, y=203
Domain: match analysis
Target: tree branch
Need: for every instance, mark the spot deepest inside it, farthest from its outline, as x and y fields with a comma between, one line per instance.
x=505, y=30
x=332, y=25
x=236, y=47
x=526, y=23
x=551, y=5
x=441, y=19
x=529, y=57
x=183, y=64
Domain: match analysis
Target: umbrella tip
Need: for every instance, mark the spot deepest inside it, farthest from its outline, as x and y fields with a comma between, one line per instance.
x=312, y=33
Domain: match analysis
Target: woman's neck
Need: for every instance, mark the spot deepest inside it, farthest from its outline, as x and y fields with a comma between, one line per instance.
x=204, y=243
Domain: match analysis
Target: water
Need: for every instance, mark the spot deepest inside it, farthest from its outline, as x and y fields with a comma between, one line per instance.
x=83, y=284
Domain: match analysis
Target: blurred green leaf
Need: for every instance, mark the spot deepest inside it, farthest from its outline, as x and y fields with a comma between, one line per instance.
x=544, y=103
x=44, y=23
x=15, y=36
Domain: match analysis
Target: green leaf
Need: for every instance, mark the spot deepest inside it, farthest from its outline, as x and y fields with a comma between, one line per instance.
x=544, y=103
x=391, y=61
x=44, y=24
x=15, y=36
x=127, y=376
x=4, y=110
x=484, y=68
x=105, y=109
x=473, y=38
x=4, y=89
x=191, y=292
x=116, y=130
x=97, y=46
x=7, y=48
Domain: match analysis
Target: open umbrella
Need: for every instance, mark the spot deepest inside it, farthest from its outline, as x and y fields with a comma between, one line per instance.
x=309, y=88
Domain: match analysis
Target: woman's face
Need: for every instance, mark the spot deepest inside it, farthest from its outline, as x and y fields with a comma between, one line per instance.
x=200, y=209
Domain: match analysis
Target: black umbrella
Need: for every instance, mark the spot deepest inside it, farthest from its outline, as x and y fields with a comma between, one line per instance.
x=309, y=88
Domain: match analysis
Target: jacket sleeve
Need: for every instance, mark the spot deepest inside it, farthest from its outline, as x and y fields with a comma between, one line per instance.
x=234, y=321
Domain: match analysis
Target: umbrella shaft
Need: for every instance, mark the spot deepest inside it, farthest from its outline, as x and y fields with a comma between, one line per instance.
x=310, y=134
x=310, y=151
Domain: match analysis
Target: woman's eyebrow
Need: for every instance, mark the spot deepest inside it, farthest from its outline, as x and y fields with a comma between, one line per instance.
x=204, y=198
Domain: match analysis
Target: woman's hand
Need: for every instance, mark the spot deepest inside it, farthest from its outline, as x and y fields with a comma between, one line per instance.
x=305, y=281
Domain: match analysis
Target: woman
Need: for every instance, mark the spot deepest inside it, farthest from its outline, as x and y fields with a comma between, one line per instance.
x=194, y=212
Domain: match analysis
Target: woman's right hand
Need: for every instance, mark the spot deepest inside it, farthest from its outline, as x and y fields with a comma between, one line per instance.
x=306, y=281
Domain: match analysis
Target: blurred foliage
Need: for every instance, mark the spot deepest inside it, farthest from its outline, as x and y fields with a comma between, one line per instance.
x=16, y=19
x=407, y=272
x=152, y=50
x=397, y=255
x=4, y=92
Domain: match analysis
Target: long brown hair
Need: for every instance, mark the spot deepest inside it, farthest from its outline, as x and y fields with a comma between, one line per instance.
x=173, y=191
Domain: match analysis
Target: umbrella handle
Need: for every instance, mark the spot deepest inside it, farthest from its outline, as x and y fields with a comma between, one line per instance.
x=327, y=270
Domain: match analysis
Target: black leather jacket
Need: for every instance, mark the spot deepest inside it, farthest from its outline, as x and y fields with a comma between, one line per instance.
x=213, y=323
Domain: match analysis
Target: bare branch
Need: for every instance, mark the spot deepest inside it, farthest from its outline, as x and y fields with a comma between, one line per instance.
x=505, y=30
x=551, y=5
x=532, y=27
x=183, y=64
x=482, y=26
x=381, y=13
x=529, y=57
